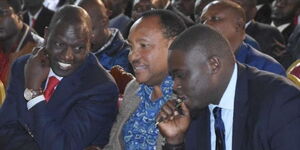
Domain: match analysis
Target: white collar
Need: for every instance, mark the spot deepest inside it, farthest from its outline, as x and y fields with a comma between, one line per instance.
x=247, y=24
x=227, y=100
x=35, y=15
x=51, y=73
x=281, y=27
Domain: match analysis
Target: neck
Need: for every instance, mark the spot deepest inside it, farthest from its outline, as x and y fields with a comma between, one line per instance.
x=157, y=93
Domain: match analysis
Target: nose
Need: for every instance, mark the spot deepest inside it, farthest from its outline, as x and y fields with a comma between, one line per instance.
x=134, y=55
x=69, y=56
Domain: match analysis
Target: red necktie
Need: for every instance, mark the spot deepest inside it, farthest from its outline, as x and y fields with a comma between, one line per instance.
x=52, y=83
x=32, y=22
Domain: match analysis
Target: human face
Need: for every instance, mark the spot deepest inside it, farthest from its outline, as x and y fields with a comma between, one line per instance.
x=149, y=51
x=99, y=19
x=139, y=7
x=285, y=9
x=221, y=19
x=192, y=78
x=67, y=46
x=184, y=6
x=10, y=23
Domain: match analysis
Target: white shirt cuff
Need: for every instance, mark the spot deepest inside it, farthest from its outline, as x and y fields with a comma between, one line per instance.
x=35, y=101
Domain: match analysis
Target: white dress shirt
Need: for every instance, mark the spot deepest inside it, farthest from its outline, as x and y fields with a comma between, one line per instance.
x=227, y=105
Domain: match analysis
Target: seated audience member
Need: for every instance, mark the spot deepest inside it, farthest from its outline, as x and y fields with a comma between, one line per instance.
x=283, y=14
x=228, y=18
x=264, y=11
x=150, y=37
x=117, y=18
x=186, y=7
x=187, y=20
x=108, y=44
x=16, y=38
x=37, y=16
x=266, y=35
x=60, y=93
x=227, y=105
x=139, y=7
x=200, y=4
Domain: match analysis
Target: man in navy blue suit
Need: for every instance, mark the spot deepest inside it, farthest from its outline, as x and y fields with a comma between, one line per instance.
x=227, y=105
x=60, y=97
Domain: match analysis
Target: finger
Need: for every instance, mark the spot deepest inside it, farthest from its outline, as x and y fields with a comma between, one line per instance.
x=169, y=109
x=185, y=110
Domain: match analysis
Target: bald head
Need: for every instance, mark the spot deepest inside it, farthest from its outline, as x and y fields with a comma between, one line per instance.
x=71, y=15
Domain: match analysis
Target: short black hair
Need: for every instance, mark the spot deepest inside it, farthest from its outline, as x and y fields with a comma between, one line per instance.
x=202, y=38
x=16, y=5
x=172, y=24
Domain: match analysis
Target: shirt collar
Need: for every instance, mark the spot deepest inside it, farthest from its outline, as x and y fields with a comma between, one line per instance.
x=35, y=15
x=247, y=24
x=51, y=73
x=113, y=35
x=281, y=27
x=227, y=100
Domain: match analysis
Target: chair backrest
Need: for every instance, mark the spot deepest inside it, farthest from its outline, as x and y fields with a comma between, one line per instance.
x=293, y=72
x=2, y=92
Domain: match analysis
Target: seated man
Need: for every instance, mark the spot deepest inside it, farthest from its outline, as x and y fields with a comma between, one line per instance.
x=108, y=44
x=227, y=105
x=16, y=38
x=59, y=98
x=229, y=19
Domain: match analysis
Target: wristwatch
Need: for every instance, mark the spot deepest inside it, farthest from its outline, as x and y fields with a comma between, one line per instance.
x=30, y=93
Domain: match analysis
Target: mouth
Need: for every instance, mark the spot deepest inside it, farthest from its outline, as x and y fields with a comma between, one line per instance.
x=138, y=68
x=64, y=66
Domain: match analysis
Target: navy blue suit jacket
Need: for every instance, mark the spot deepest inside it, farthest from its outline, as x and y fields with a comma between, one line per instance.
x=266, y=115
x=82, y=108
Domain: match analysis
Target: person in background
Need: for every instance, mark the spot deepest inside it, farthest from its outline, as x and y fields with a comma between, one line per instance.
x=228, y=18
x=108, y=44
x=16, y=38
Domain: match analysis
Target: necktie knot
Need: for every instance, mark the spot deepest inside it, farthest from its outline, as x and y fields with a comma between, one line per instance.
x=52, y=83
x=219, y=129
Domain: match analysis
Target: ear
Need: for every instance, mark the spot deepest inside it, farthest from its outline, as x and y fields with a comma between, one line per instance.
x=214, y=64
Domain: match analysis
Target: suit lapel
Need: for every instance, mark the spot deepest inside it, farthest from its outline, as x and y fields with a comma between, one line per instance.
x=240, y=110
x=198, y=136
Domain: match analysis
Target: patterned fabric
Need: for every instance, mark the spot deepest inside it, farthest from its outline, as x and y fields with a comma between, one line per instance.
x=140, y=132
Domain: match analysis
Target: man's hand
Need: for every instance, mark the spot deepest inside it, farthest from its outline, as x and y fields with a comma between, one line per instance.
x=173, y=125
x=36, y=69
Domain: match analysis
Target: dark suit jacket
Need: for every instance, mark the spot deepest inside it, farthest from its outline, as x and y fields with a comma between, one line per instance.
x=82, y=108
x=266, y=115
x=188, y=21
x=42, y=21
x=266, y=35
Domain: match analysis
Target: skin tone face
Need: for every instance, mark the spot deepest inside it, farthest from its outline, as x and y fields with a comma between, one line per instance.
x=10, y=23
x=97, y=12
x=149, y=51
x=224, y=21
x=192, y=79
x=184, y=6
x=285, y=9
x=139, y=7
x=67, y=47
x=199, y=5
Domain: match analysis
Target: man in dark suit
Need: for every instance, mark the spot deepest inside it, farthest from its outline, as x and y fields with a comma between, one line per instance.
x=227, y=105
x=37, y=16
x=59, y=97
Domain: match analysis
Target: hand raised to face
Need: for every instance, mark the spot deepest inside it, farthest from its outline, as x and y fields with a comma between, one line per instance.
x=36, y=69
x=172, y=124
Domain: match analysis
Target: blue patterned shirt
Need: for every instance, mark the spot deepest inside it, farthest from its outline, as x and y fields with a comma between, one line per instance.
x=140, y=132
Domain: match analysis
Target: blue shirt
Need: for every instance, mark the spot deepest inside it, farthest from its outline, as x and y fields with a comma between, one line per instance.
x=140, y=131
x=252, y=57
